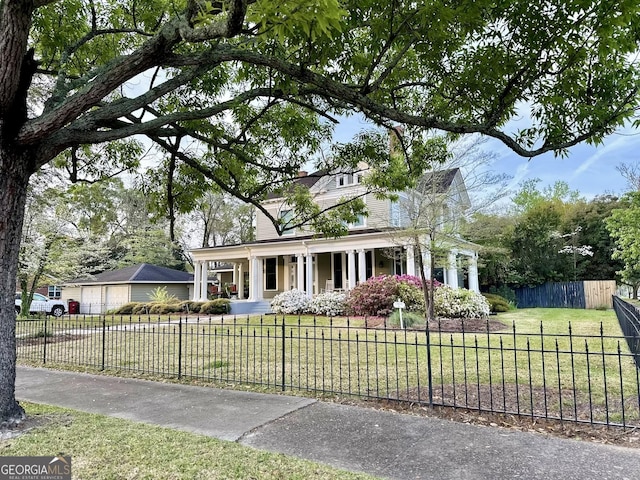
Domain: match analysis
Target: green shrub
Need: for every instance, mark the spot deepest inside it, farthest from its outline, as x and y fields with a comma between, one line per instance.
x=190, y=306
x=127, y=308
x=217, y=306
x=140, y=309
x=412, y=296
x=497, y=303
x=409, y=319
x=158, y=308
x=507, y=293
x=155, y=308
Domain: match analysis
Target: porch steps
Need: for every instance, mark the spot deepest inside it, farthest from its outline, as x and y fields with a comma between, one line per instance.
x=244, y=307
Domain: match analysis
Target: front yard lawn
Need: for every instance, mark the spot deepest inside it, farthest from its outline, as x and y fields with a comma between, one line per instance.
x=106, y=448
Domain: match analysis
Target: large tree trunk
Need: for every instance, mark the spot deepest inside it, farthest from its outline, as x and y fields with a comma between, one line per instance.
x=17, y=164
x=14, y=178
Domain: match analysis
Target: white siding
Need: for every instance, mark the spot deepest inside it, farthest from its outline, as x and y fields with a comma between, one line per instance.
x=71, y=293
x=379, y=212
x=264, y=228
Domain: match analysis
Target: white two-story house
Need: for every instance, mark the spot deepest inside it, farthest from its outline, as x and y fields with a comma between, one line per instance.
x=300, y=259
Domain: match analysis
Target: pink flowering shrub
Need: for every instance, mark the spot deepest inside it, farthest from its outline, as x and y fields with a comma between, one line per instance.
x=410, y=280
x=374, y=297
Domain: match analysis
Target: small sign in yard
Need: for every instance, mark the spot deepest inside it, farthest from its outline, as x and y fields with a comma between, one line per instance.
x=399, y=304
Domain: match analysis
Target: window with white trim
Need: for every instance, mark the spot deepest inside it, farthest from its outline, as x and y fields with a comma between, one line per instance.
x=286, y=216
x=347, y=179
x=54, y=291
x=358, y=223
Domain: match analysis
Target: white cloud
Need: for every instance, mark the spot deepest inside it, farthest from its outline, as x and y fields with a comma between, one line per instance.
x=605, y=151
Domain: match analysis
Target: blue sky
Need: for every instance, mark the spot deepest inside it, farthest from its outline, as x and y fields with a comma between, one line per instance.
x=590, y=170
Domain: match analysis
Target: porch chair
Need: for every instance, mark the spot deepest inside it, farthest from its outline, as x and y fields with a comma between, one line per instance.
x=329, y=286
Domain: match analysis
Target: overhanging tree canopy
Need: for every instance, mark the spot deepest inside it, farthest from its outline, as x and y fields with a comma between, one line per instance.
x=255, y=85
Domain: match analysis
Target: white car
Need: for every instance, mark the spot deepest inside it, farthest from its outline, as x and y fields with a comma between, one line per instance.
x=41, y=303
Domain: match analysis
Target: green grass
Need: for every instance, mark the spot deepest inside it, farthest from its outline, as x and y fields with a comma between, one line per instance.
x=106, y=448
x=569, y=370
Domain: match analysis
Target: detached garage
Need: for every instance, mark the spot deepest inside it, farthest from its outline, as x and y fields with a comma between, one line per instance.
x=109, y=290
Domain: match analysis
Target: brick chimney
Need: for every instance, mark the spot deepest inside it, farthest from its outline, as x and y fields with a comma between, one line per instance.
x=302, y=173
x=394, y=143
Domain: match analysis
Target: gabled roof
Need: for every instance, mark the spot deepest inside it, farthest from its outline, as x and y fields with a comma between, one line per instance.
x=142, y=273
x=304, y=180
x=442, y=178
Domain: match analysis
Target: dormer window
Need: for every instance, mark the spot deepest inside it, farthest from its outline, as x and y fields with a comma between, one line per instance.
x=346, y=179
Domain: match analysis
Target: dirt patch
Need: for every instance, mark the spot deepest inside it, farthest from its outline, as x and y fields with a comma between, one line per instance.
x=533, y=402
x=375, y=322
x=14, y=430
x=39, y=340
x=468, y=325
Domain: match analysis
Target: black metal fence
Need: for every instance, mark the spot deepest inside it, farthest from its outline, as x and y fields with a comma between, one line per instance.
x=629, y=319
x=584, y=374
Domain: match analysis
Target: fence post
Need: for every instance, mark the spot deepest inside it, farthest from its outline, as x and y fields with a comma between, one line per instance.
x=429, y=373
x=284, y=341
x=44, y=350
x=104, y=340
x=180, y=347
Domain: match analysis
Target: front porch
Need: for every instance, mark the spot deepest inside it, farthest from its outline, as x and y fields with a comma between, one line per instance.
x=260, y=270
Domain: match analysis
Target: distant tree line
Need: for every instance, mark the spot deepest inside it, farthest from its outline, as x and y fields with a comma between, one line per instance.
x=546, y=235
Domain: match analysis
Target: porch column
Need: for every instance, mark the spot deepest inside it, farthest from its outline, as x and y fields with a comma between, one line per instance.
x=240, y=282
x=197, y=277
x=411, y=261
x=287, y=273
x=300, y=259
x=204, y=283
x=234, y=275
x=452, y=270
x=309, y=273
x=351, y=265
x=474, y=284
x=362, y=266
x=255, y=274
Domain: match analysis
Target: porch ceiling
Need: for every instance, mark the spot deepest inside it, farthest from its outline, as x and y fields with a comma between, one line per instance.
x=238, y=253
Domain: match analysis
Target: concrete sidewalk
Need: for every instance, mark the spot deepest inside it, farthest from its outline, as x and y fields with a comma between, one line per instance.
x=384, y=444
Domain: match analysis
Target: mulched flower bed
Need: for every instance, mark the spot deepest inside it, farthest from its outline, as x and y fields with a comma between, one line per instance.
x=450, y=325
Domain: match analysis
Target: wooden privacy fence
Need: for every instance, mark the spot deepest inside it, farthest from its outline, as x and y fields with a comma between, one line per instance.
x=583, y=294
